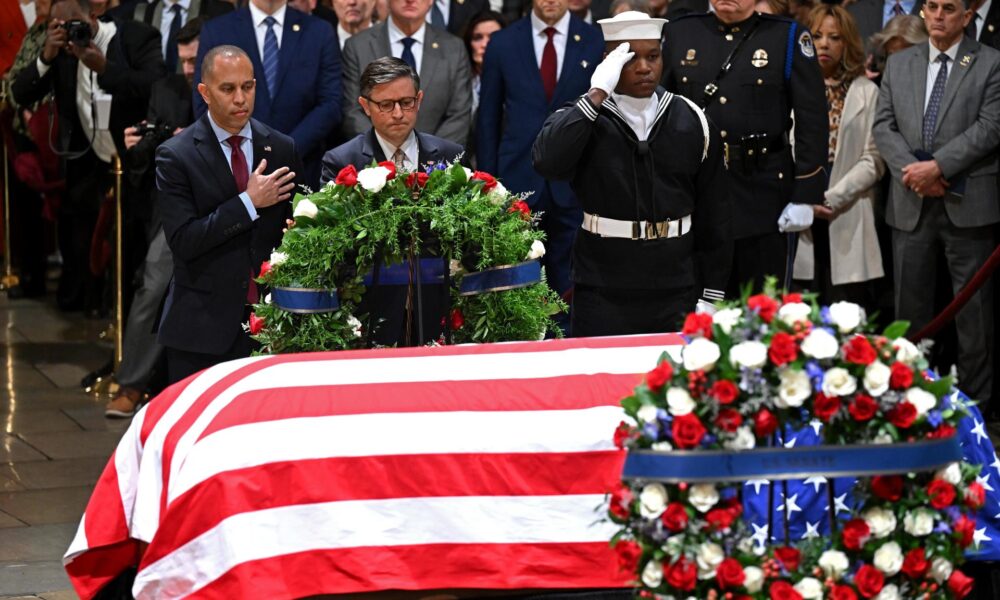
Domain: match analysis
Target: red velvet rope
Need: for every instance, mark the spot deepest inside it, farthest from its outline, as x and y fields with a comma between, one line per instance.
x=960, y=299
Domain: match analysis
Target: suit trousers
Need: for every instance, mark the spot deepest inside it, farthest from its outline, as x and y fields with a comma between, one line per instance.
x=141, y=351
x=755, y=258
x=965, y=250
x=88, y=179
x=560, y=224
x=181, y=364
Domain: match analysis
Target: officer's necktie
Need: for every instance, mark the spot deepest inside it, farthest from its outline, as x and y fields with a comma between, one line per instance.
x=437, y=16
x=407, y=56
x=399, y=158
x=897, y=9
x=241, y=173
x=934, y=104
x=970, y=29
x=548, y=67
x=175, y=26
x=271, y=56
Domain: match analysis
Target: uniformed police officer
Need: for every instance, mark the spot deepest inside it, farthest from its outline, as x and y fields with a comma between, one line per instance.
x=750, y=71
x=647, y=169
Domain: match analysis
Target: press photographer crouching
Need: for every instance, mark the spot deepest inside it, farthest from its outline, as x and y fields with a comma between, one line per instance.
x=100, y=73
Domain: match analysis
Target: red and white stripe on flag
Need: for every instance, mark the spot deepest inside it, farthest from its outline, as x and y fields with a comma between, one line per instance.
x=408, y=469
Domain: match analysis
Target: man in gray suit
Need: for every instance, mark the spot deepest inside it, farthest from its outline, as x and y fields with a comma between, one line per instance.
x=872, y=15
x=436, y=55
x=937, y=125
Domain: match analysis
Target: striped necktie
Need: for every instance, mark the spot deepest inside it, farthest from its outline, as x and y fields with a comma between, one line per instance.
x=271, y=56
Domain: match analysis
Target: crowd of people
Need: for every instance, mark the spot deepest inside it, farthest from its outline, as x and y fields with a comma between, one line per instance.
x=676, y=152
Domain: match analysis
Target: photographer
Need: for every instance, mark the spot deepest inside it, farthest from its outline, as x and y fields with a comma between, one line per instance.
x=100, y=73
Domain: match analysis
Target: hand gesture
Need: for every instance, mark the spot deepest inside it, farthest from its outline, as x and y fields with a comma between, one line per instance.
x=132, y=137
x=268, y=190
x=606, y=74
x=55, y=40
x=90, y=55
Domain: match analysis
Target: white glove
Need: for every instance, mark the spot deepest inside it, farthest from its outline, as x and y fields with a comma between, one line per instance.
x=795, y=217
x=606, y=74
x=704, y=307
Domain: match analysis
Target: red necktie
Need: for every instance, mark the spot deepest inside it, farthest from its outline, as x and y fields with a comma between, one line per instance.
x=548, y=68
x=242, y=174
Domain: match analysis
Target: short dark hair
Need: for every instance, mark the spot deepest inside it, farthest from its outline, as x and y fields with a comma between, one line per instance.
x=83, y=4
x=189, y=32
x=386, y=69
x=208, y=63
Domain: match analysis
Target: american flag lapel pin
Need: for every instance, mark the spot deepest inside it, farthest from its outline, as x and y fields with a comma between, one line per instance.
x=583, y=64
x=576, y=37
x=267, y=148
x=295, y=27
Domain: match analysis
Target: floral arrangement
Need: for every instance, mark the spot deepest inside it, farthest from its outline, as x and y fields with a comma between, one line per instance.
x=376, y=214
x=749, y=370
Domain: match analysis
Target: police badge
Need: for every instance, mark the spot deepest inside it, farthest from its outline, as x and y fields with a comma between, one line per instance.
x=759, y=59
x=806, y=45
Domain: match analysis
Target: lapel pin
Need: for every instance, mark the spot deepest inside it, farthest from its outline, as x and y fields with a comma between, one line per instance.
x=576, y=37
x=990, y=27
x=267, y=148
x=583, y=64
x=966, y=60
x=461, y=1
x=434, y=45
x=295, y=27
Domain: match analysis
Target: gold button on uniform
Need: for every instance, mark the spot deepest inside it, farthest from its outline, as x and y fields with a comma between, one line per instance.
x=723, y=100
x=723, y=134
x=684, y=79
x=729, y=37
x=760, y=82
x=781, y=175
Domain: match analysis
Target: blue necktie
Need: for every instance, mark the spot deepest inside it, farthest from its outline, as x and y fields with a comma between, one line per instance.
x=934, y=104
x=271, y=56
x=437, y=17
x=407, y=56
x=175, y=26
x=897, y=9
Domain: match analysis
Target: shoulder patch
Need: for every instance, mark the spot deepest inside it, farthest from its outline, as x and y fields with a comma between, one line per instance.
x=806, y=45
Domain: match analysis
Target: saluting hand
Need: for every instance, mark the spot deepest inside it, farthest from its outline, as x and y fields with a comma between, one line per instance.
x=607, y=73
x=268, y=190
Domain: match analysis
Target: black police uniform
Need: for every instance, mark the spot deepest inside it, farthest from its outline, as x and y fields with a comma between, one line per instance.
x=772, y=73
x=648, y=280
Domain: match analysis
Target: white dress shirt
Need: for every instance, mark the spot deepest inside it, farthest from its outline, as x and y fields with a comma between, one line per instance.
x=410, y=147
x=28, y=10
x=260, y=28
x=639, y=113
x=342, y=35
x=558, y=40
x=396, y=42
x=247, y=147
x=933, y=66
x=167, y=18
x=444, y=6
x=982, y=12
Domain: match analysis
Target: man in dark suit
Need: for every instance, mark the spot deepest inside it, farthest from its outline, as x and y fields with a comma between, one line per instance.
x=454, y=15
x=391, y=97
x=110, y=63
x=872, y=15
x=223, y=188
x=531, y=68
x=296, y=61
x=169, y=16
x=985, y=23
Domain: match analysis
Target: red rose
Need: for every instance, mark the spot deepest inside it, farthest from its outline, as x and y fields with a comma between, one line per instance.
x=729, y=419
x=729, y=573
x=789, y=298
x=783, y=349
x=388, y=164
x=859, y=351
x=687, y=431
x=725, y=391
x=964, y=530
x=900, y=376
x=675, y=518
x=869, y=581
x=489, y=182
x=348, y=176
x=915, y=563
x=622, y=434
x=656, y=378
x=842, y=592
x=265, y=268
x=789, y=557
x=720, y=519
x=520, y=206
x=457, y=319
x=825, y=406
x=960, y=584
x=863, y=408
x=764, y=423
x=855, y=534
x=621, y=503
x=975, y=495
x=698, y=323
x=903, y=415
x=888, y=487
x=682, y=575
x=782, y=590
x=417, y=179
x=256, y=324
x=942, y=493
x=764, y=305
x=628, y=555
x=944, y=431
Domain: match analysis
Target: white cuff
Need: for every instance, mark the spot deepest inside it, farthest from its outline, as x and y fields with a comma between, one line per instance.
x=42, y=67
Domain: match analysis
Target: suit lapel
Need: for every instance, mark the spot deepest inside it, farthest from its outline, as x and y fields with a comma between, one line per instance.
x=262, y=147
x=431, y=60
x=371, y=149
x=247, y=40
x=158, y=15
x=380, y=45
x=210, y=150
x=991, y=22
x=291, y=33
x=918, y=77
x=427, y=150
x=571, y=61
x=853, y=104
x=526, y=51
x=964, y=60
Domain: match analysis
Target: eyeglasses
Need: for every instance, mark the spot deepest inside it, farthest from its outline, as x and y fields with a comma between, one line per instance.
x=385, y=106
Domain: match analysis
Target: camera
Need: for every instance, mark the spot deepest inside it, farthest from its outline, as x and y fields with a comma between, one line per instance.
x=78, y=32
x=156, y=130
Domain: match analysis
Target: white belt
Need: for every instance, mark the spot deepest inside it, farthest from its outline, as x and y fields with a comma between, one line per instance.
x=636, y=230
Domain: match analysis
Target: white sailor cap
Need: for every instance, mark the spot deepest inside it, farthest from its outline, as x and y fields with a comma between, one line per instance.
x=631, y=25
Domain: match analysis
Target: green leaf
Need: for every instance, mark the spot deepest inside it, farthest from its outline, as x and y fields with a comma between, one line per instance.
x=896, y=329
x=939, y=388
x=362, y=234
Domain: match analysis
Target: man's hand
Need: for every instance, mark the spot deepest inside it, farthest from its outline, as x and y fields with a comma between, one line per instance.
x=923, y=177
x=90, y=55
x=132, y=137
x=55, y=40
x=607, y=73
x=822, y=212
x=268, y=190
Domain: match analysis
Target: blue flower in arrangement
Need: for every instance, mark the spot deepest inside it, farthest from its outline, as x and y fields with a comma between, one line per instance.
x=824, y=315
x=652, y=430
x=440, y=166
x=934, y=418
x=815, y=374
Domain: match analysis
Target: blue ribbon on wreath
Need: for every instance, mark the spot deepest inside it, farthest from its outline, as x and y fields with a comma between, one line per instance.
x=498, y=279
x=305, y=300
x=431, y=272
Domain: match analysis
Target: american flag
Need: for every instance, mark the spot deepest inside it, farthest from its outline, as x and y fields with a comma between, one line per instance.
x=412, y=469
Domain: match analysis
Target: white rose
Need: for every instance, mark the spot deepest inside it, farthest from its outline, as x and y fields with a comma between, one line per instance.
x=820, y=344
x=846, y=316
x=674, y=545
x=881, y=521
x=889, y=592
x=906, y=351
x=468, y=173
x=889, y=558
x=794, y=312
x=663, y=446
x=922, y=400
x=679, y=401
x=794, y=388
x=919, y=522
x=355, y=325
x=809, y=588
x=703, y=496
x=753, y=579
x=277, y=258
x=498, y=194
x=709, y=557
x=727, y=318
x=701, y=355
x=537, y=250
x=373, y=178
x=941, y=569
x=877, y=378
x=743, y=440
x=646, y=413
x=834, y=563
x=838, y=382
x=653, y=500
x=952, y=474
x=305, y=208
x=749, y=355
x=883, y=438
x=652, y=574
x=267, y=299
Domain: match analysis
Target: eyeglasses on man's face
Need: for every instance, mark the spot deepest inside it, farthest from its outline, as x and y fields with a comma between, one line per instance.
x=385, y=106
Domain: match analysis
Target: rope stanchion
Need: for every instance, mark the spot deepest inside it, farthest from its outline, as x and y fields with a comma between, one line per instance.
x=9, y=279
x=960, y=299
